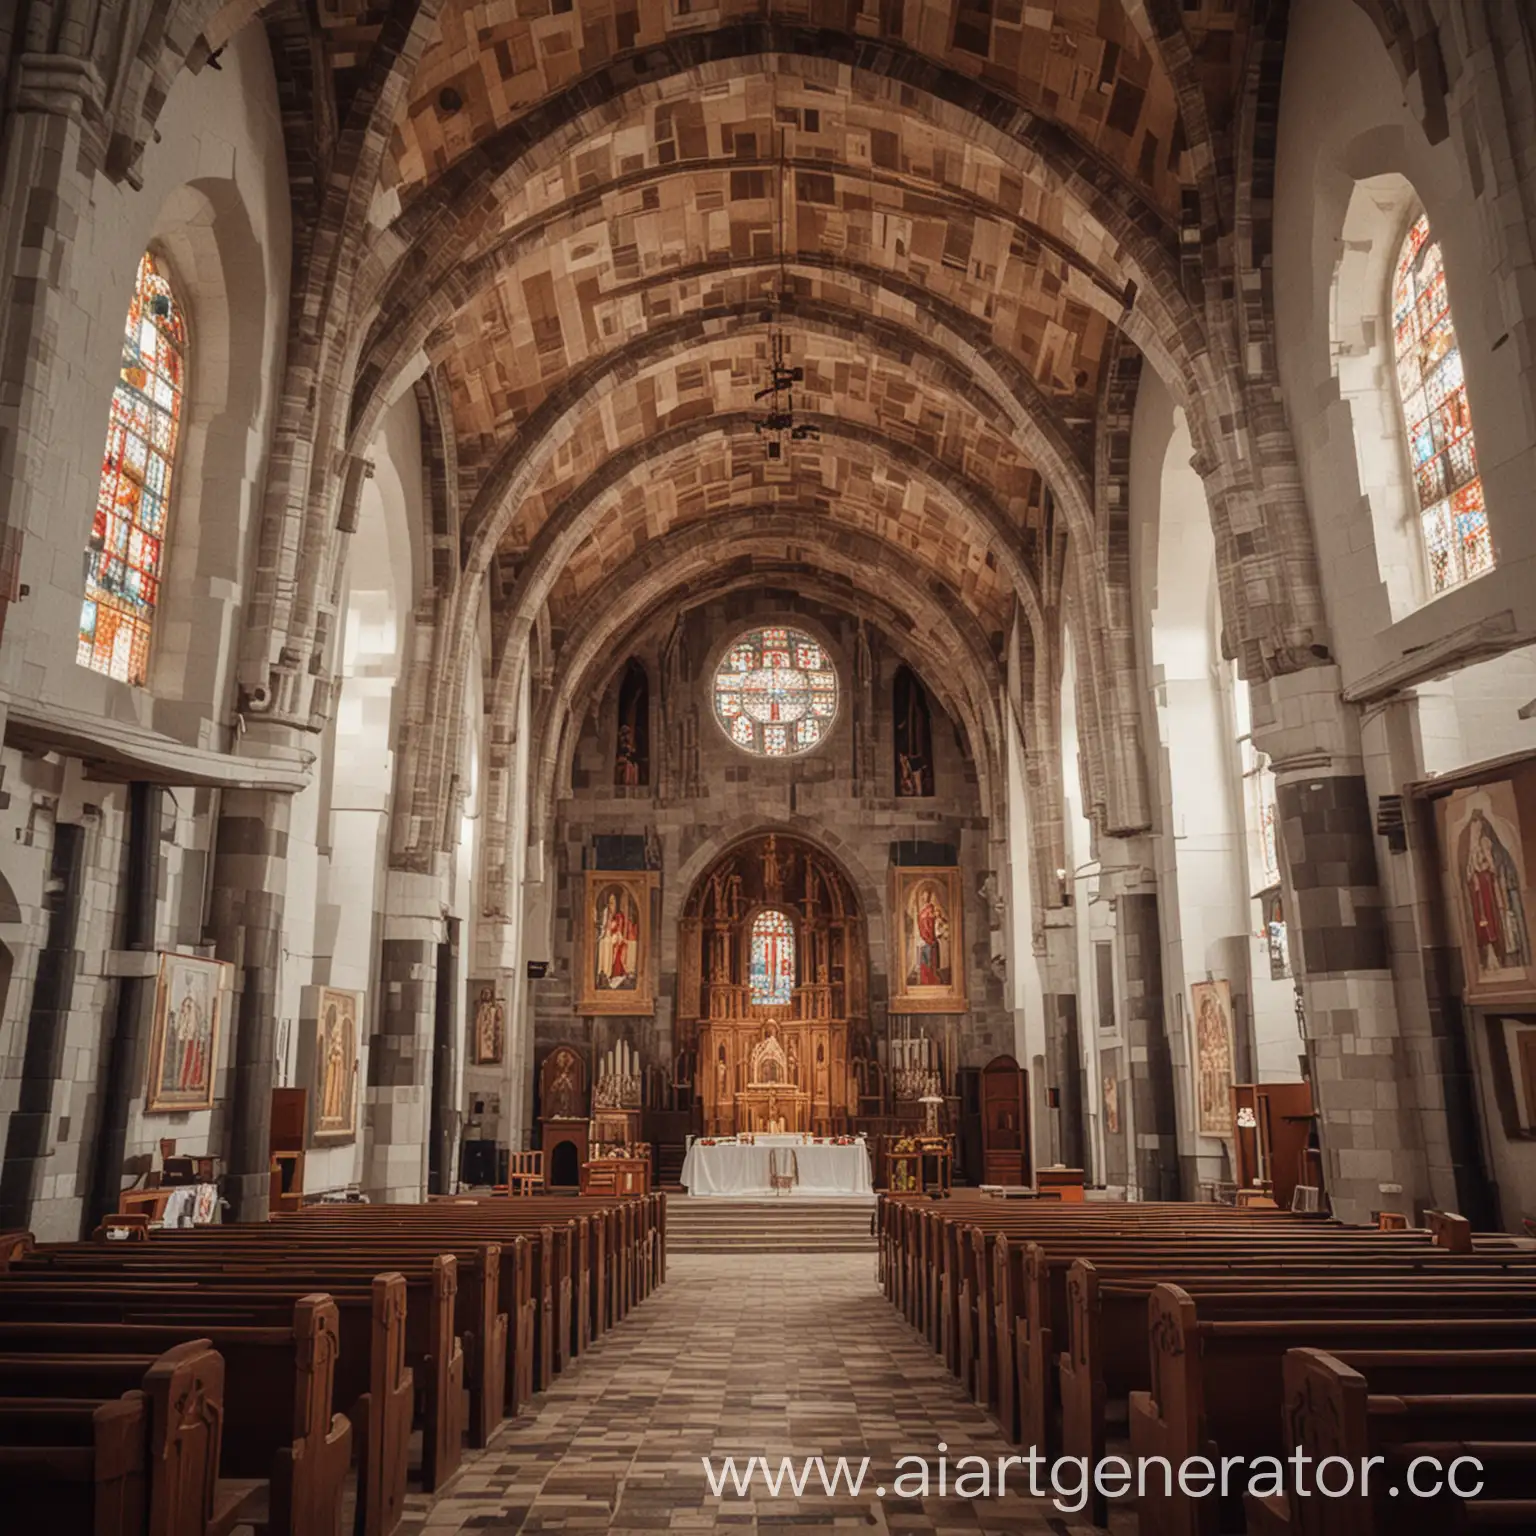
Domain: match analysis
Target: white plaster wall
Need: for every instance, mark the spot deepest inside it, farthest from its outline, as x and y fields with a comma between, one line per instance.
x=1082, y=881
x=1344, y=121
x=1026, y=992
x=1202, y=841
x=215, y=199
x=352, y=857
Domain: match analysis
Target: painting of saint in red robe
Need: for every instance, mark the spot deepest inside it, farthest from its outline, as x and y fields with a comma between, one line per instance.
x=1495, y=902
x=614, y=962
x=1485, y=875
x=617, y=940
x=185, y=1037
x=931, y=960
x=928, y=966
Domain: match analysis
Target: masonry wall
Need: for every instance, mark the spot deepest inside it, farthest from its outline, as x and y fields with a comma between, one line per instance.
x=214, y=203
x=725, y=794
x=1354, y=166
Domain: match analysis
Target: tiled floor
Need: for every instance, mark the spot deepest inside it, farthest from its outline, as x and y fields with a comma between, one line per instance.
x=736, y=1355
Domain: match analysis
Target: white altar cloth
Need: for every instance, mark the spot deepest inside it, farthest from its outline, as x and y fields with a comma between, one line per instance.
x=732, y=1168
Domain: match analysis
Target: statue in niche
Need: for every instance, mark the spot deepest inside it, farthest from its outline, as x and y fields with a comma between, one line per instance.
x=794, y=1060
x=632, y=752
x=717, y=889
x=773, y=878
x=913, y=736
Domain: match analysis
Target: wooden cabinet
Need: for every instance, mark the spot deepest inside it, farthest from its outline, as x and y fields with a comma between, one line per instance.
x=566, y=1146
x=1272, y=1140
x=285, y=1148
x=1065, y=1183
x=616, y=1176
x=1004, y=1123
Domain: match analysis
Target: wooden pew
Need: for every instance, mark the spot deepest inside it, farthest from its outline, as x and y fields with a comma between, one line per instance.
x=280, y=1371
x=1223, y=1375
x=132, y=1442
x=1017, y=1356
x=445, y=1359
x=183, y=1390
x=80, y=1467
x=1398, y=1405
x=1107, y=1355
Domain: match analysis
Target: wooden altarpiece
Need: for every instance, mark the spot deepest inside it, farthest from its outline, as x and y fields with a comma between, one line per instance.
x=766, y=1055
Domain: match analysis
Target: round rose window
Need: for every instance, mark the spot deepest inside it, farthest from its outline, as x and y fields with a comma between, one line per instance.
x=775, y=692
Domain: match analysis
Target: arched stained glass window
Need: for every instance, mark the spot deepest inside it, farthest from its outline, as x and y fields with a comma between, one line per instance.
x=124, y=562
x=1436, y=417
x=775, y=692
x=772, y=971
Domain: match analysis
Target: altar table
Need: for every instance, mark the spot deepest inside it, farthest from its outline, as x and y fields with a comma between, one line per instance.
x=732, y=1168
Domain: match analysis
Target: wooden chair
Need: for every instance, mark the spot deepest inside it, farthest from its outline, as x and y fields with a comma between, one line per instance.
x=525, y=1172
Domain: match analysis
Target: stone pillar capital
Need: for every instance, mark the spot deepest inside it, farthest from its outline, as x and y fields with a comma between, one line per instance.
x=1303, y=724
x=61, y=85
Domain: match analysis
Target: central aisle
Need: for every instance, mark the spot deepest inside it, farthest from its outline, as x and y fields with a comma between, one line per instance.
x=736, y=1355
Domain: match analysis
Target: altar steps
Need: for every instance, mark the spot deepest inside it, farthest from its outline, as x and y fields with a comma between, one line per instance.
x=770, y=1224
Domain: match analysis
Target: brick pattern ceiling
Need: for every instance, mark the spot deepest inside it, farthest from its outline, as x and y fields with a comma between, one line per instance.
x=1079, y=62
x=862, y=204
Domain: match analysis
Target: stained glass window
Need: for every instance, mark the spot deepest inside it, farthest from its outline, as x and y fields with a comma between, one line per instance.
x=772, y=971
x=775, y=692
x=1436, y=418
x=125, y=559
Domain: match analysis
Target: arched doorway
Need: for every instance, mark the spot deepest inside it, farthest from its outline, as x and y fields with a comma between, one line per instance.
x=564, y=1171
x=773, y=984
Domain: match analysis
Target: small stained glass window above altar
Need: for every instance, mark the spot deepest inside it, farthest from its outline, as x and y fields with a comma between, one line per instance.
x=775, y=692
x=772, y=971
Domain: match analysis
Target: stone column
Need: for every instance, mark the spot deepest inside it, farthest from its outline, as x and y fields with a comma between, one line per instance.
x=1340, y=942
x=397, y=1103
x=250, y=875
x=1149, y=1052
x=45, y=190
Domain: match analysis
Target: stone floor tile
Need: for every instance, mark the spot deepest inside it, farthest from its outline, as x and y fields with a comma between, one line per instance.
x=738, y=1355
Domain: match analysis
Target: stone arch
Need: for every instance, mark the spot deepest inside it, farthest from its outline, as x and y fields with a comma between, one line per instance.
x=1360, y=323
x=619, y=605
x=204, y=232
x=542, y=435
x=678, y=892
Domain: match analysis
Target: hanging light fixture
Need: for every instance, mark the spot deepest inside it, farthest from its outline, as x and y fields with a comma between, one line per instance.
x=777, y=426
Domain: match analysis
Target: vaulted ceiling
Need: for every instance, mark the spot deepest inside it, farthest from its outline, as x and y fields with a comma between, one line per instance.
x=595, y=216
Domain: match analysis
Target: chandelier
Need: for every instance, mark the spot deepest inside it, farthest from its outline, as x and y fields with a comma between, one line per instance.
x=777, y=426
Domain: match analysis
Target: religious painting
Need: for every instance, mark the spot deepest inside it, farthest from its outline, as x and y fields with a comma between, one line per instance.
x=1211, y=1004
x=616, y=943
x=563, y=1085
x=487, y=1024
x=913, y=736
x=184, y=1038
x=1111, y=1104
x=929, y=968
x=332, y=1067
x=1489, y=901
